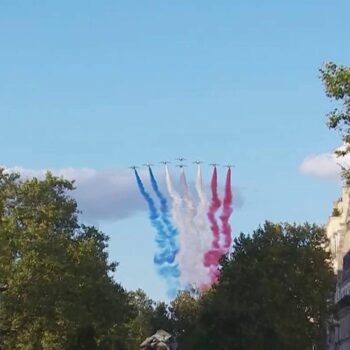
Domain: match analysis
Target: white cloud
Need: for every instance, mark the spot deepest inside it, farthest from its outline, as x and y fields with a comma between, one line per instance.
x=325, y=165
x=101, y=194
x=106, y=194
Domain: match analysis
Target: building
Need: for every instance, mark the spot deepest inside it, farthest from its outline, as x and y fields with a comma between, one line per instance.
x=338, y=233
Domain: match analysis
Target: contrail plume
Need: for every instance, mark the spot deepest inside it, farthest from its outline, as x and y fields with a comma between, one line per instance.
x=212, y=257
x=164, y=258
x=226, y=213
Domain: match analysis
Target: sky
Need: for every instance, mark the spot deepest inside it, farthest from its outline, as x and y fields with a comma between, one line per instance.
x=89, y=88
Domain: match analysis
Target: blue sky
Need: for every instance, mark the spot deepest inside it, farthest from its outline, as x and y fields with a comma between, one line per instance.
x=106, y=84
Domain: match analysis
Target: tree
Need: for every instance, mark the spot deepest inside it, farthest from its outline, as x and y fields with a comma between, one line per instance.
x=140, y=325
x=273, y=293
x=148, y=317
x=184, y=313
x=336, y=80
x=161, y=318
x=59, y=292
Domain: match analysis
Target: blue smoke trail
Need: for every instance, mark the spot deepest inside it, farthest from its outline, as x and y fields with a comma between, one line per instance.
x=171, y=234
x=170, y=272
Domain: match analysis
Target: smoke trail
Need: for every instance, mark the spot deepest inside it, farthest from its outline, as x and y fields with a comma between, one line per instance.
x=187, y=197
x=226, y=212
x=202, y=208
x=196, y=271
x=212, y=257
x=153, y=213
x=169, y=240
x=169, y=272
x=184, y=256
x=202, y=226
x=214, y=207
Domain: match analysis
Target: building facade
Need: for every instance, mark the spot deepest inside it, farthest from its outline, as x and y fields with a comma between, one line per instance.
x=338, y=232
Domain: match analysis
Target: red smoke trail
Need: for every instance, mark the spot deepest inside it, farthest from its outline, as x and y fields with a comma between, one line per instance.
x=213, y=208
x=226, y=212
x=212, y=257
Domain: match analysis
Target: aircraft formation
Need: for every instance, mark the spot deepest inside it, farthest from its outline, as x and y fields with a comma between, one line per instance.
x=181, y=164
x=192, y=229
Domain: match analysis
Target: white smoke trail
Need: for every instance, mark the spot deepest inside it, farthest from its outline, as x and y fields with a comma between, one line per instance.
x=204, y=238
x=178, y=217
x=198, y=274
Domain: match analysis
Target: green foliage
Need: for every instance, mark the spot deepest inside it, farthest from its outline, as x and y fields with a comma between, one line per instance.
x=273, y=292
x=59, y=290
x=336, y=80
x=146, y=318
x=140, y=326
x=184, y=312
x=161, y=318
